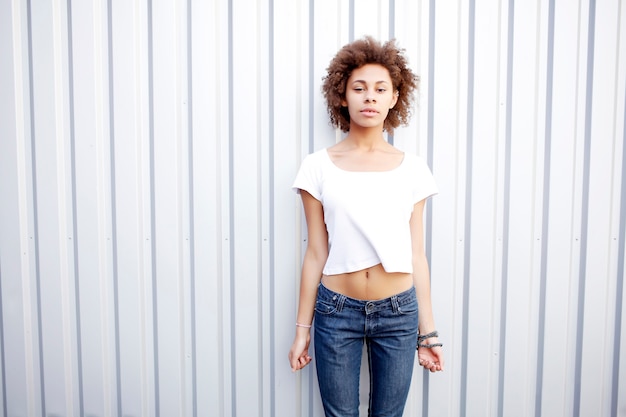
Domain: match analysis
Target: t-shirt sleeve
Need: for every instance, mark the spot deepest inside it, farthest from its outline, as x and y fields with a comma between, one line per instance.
x=424, y=182
x=308, y=177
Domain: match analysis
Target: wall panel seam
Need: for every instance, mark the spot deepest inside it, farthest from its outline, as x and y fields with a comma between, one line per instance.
x=74, y=210
x=506, y=204
x=113, y=209
x=545, y=214
x=582, y=273
x=35, y=211
x=152, y=191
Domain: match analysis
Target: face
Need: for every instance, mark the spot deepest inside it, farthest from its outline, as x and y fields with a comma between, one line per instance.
x=369, y=95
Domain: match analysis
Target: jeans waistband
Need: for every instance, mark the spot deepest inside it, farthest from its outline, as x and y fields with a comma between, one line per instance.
x=369, y=306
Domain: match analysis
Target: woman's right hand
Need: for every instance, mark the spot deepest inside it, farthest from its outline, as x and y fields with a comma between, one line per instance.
x=299, y=352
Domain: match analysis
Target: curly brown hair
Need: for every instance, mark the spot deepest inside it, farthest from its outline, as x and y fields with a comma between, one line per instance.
x=369, y=51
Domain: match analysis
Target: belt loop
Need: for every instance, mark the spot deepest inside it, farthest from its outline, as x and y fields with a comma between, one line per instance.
x=395, y=306
x=341, y=299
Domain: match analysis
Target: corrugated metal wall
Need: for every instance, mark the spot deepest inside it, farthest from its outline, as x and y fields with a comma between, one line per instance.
x=150, y=243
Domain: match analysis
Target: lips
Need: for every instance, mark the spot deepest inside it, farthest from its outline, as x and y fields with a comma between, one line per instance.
x=369, y=111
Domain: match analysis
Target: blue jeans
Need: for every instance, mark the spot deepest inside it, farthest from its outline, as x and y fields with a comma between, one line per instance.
x=388, y=327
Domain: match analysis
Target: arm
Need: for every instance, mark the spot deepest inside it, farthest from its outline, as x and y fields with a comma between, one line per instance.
x=314, y=259
x=430, y=358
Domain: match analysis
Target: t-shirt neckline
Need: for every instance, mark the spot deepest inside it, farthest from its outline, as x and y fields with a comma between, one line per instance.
x=364, y=172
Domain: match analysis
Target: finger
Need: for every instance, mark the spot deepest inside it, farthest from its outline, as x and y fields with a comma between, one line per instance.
x=295, y=364
x=431, y=366
x=304, y=361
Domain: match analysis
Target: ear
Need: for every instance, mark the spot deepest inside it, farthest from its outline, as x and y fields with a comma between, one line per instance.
x=395, y=99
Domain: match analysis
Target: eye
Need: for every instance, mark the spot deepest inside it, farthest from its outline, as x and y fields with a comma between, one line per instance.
x=381, y=90
x=358, y=89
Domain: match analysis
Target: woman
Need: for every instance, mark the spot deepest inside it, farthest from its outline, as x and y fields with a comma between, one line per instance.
x=365, y=271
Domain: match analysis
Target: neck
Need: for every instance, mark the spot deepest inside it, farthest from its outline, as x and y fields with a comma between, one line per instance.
x=366, y=138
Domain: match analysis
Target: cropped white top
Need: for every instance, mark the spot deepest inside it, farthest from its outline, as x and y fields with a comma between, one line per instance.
x=366, y=213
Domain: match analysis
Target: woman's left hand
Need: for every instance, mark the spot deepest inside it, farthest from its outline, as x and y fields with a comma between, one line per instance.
x=431, y=358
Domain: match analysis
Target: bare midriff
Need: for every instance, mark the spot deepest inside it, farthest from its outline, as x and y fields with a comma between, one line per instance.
x=372, y=283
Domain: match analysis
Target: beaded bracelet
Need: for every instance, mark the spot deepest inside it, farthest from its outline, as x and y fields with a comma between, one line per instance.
x=306, y=326
x=420, y=338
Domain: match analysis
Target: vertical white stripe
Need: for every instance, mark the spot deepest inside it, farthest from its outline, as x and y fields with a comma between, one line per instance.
x=66, y=272
x=20, y=72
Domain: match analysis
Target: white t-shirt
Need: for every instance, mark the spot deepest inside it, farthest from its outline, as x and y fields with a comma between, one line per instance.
x=366, y=213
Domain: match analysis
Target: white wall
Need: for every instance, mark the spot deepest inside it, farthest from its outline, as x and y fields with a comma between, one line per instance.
x=150, y=242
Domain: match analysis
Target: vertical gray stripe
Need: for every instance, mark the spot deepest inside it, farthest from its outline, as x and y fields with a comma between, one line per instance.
x=231, y=206
x=392, y=7
x=392, y=19
x=619, y=288
x=584, y=212
x=506, y=209
x=430, y=159
x=311, y=75
x=3, y=368
x=430, y=127
x=545, y=214
x=153, y=237
x=35, y=237
x=192, y=240
x=467, y=233
x=431, y=68
x=272, y=196
x=72, y=134
x=392, y=15
x=221, y=253
x=311, y=382
x=351, y=20
x=114, y=248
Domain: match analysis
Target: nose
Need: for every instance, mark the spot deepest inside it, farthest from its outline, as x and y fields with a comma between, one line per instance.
x=370, y=97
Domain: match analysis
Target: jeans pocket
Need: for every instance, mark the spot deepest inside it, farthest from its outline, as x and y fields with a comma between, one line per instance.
x=408, y=308
x=325, y=307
